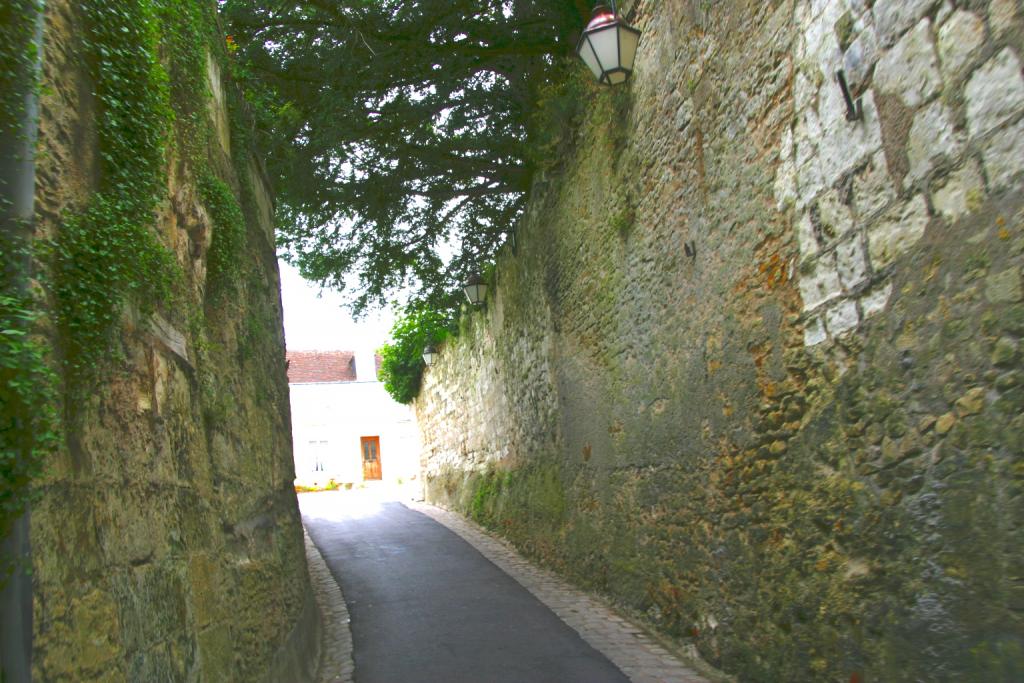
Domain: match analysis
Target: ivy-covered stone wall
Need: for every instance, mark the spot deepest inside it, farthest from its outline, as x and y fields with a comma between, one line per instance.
x=753, y=370
x=166, y=540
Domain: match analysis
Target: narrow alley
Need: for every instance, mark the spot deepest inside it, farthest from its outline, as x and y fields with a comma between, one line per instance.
x=428, y=606
x=421, y=341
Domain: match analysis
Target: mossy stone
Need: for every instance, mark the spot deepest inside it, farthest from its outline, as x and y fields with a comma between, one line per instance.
x=1005, y=352
x=1013, y=320
x=972, y=402
x=1008, y=380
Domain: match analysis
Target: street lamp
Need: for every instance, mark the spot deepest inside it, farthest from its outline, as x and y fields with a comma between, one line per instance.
x=608, y=46
x=476, y=289
x=430, y=354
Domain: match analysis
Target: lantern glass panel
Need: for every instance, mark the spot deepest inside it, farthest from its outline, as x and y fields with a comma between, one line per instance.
x=604, y=41
x=476, y=293
x=590, y=59
x=429, y=354
x=616, y=77
x=628, y=40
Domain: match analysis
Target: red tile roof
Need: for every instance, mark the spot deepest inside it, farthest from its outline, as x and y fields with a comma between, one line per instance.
x=321, y=366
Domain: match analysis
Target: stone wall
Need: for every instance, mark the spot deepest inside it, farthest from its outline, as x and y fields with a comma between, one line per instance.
x=167, y=544
x=799, y=449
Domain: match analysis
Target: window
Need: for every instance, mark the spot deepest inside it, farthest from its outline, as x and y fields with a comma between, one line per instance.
x=319, y=449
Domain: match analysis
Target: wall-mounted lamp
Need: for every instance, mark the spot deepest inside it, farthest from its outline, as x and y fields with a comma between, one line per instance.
x=430, y=354
x=476, y=289
x=608, y=46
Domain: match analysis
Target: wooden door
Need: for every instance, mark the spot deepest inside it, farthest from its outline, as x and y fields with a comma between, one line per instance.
x=371, y=457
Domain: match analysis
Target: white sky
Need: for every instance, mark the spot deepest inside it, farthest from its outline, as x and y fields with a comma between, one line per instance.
x=316, y=320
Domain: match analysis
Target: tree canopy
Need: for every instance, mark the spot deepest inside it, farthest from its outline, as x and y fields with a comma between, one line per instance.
x=397, y=130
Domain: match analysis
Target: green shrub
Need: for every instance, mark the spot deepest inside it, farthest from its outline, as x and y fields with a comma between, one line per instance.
x=402, y=365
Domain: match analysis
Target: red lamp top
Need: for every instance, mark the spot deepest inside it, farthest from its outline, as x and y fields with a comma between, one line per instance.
x=602, y=16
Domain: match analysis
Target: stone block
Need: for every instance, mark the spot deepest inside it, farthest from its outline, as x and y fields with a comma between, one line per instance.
x=1004, y=156
x=785, y=173
x=806, y=135
x=1003, y=287
x=945, y=423
x=910, y=69
x=897, y=231
x=1001, y=16
x=995, y=93
x=809, y=182
x=1008, y=380
x=944, y=12
x=1005, y=353
x=819, y=47
x=971, y=403
x=834, y=217
x=858, y=7
x=205, y=579
x=962, y=193
x=804, y=91
x=959, y=41
x=850, y=263
x=82, y=637
x=859, y=58
x=875, y=300
x=873, y=187
x=684, y=114
x=841, y=318
x=821, y=9
x=820, y=283
x=931, y=138
x=806, y=235
x=218, y=110
x=169, y=337
x=814, y=332
x=893, y=17
x=843, y=145
x=216, y=652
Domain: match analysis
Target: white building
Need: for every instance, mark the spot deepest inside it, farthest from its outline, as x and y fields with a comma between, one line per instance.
x=345, y=426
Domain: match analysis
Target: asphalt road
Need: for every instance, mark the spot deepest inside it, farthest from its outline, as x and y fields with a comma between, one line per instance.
x=426, y=607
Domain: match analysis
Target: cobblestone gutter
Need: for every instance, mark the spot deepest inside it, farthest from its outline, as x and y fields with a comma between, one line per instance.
x=336, y=665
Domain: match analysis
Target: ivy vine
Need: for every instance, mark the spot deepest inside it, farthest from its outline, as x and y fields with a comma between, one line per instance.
x=110, y=253
x=191, y=35
x=223, y=264
x=147, y=60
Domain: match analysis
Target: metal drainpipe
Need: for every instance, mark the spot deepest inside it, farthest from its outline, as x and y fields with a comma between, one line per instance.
x=17, y=188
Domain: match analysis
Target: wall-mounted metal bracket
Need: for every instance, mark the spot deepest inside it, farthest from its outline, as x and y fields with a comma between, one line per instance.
x=854, y=108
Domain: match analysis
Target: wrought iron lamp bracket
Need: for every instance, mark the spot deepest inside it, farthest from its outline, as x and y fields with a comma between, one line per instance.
x=854, y=108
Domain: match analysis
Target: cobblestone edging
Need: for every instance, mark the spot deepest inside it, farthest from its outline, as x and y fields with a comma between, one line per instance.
x=636, y=654
x=336, y=664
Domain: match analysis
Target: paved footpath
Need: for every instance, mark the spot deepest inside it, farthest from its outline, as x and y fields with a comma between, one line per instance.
x=433, y=599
